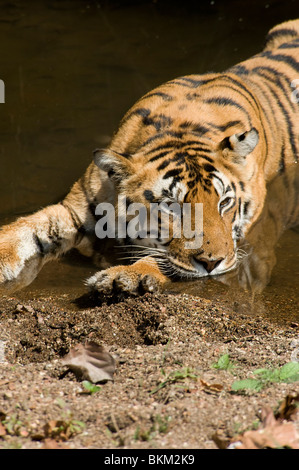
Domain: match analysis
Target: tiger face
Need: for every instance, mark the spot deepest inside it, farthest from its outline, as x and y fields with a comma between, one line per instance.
x=164, y=154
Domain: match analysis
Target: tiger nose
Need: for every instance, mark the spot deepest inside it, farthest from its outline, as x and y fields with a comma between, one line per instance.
x=209, y=264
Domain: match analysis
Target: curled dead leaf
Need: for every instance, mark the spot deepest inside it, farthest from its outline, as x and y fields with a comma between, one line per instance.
x=90, y=361
x=211, y=388
x=288, y=408
x=221, y=440
x=2, y=430
x=52, y=444
x=273, y=434
x=57, y=429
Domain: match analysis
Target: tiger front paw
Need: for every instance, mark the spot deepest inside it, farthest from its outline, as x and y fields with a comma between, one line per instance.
x=137, y=279
x=19, y=260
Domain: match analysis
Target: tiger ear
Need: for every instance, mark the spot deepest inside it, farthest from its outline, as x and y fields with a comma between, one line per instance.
x=238, y=146
x=115, y=164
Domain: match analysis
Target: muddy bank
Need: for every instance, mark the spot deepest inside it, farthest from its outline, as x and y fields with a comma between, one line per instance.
x=165, y=393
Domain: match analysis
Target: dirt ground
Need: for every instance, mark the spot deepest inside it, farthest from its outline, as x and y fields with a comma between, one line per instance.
x=165, y=391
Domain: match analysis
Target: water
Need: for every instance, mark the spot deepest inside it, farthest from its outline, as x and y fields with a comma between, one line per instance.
x=73, y=68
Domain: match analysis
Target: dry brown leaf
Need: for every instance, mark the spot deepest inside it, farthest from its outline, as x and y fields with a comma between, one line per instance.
x=221, y=440
x=91, y=362
x=52, y=444
x=273, y=434
x=57, y=429
x=283, y=435
x=211, y=388
x=288, y=408
x=2, y=430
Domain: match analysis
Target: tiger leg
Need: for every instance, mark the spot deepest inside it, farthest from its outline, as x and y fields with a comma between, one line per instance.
x=138, y=278
x=29, y=242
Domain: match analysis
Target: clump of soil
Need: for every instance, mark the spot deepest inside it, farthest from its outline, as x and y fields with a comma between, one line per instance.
x=165, y=393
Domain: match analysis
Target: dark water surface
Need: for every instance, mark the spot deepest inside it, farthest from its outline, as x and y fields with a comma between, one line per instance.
x=73, y=68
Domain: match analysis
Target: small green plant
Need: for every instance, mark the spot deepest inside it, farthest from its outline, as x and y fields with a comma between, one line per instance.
x=174, y=377
x=160, y=426
x=287, y=374
x=163, y=423
x=12, y=424
x=66, y=426
x=90, y=388
x=224, y=363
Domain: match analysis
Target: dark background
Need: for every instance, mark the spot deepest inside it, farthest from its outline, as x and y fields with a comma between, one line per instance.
x=73, y=68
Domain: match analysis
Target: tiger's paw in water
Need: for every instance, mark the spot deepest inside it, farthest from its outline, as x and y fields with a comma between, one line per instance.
x=134, y=280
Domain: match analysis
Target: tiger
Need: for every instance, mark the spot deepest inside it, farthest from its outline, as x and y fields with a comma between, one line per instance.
x=217, y=139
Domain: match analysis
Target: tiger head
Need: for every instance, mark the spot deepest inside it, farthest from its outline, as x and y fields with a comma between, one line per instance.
x=179, y=147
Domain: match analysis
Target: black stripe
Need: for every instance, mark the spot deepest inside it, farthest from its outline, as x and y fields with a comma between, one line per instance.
x=172, y=173
x=143, y=112
x=223, y=101
x=287, y=119
x=196, y=148
x=281, y=32
x=287, y=59
x=159, y=122
x=192, y=143
x=189, y=82
x=224, y=127
x=175, y=145
x=246, y=206
x=160, y=155
x=192, y=96
x=38, y=244
x=194, y=128
x=281, y=167
x=75, y=219
x=277, y=81
x=238, y=90
x=209, y=168
x=243, y=87
x=199, y=129
x=176, y=135
x=164, y=96
x=290, y=45
x=205, y=158
x=175, y=180
x=149, y=195
x=163, y=165
x=239, y=70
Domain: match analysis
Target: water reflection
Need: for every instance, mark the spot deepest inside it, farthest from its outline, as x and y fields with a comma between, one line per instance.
x=280, y=212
